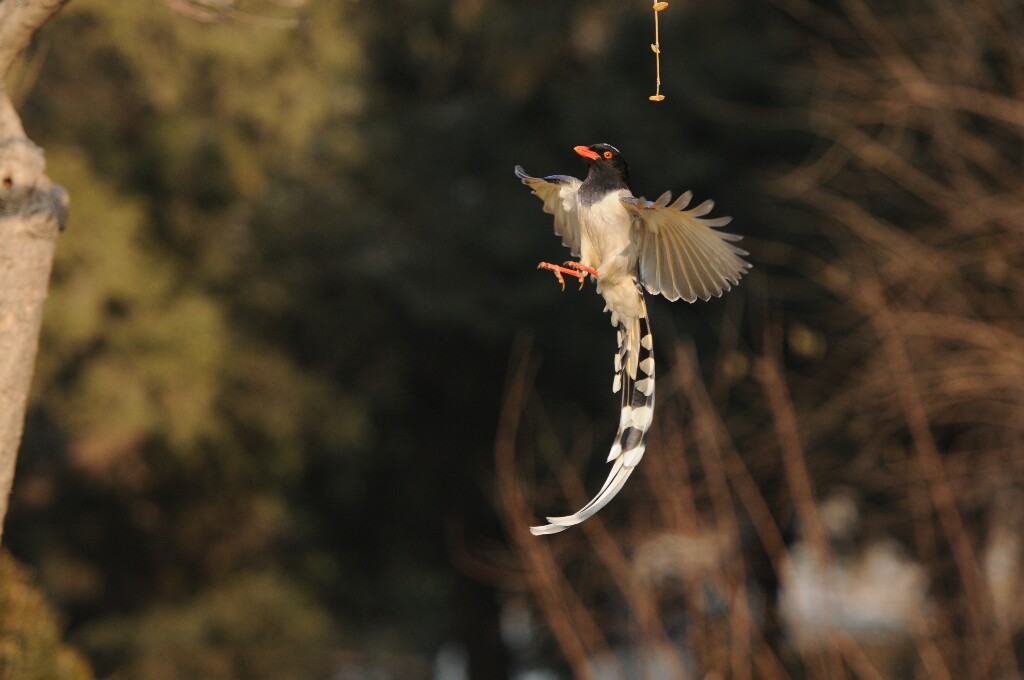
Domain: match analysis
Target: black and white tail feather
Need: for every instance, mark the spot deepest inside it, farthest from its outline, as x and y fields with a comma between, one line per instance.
x=634, y=377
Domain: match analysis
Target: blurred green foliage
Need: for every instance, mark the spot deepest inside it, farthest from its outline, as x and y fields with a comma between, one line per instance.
x=30, y=644
x=296, y=264
x=254, y=626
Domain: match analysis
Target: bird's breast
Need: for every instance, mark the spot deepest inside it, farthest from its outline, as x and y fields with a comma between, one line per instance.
x=606, y=228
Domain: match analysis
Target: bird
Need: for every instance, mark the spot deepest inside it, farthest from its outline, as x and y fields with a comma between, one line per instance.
x=627, y=244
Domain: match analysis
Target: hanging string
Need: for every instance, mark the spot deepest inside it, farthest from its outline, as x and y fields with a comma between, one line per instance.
x=656, y=48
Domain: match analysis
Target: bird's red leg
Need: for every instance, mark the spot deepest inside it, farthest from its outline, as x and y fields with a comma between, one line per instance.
x=583, y=268
x=574, y=269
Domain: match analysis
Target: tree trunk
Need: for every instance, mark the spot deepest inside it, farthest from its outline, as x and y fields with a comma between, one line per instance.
x=32, y=212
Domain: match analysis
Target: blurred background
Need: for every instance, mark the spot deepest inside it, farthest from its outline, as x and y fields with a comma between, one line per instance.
x=301, y=390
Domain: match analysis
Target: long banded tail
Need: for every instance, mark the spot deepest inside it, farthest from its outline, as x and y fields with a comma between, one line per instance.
x=634, y=377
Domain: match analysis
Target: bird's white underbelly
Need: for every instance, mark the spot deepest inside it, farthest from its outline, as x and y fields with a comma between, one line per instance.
x=606, y=234
x=607, y=246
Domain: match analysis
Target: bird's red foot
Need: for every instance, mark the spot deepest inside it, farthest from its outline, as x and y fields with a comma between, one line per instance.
x=575, y=269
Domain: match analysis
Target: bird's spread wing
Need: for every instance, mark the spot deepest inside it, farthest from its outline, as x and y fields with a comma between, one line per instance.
x=683, y=255
x=559, y=195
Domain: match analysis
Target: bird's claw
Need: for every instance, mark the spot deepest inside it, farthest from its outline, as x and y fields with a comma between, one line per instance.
x=571, y=268
x=557, y=271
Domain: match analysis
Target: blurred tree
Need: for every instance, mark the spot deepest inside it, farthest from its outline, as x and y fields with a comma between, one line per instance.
x=30, y=646
x=168, y=437
x=280, y=323
x=255, y=626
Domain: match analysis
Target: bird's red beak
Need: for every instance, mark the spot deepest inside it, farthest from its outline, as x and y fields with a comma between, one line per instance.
x=586, y=153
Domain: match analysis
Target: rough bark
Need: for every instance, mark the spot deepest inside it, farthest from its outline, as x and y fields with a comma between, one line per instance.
x=32, y=212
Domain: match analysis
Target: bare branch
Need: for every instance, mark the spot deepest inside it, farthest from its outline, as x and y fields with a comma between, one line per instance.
x=19, y=21
x=32, y=211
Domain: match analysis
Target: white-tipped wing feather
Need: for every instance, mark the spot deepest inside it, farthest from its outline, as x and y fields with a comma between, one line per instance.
x=559, y=195
x=681, y=254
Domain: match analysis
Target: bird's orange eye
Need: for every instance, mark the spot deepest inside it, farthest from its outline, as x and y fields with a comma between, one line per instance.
x=607, y=154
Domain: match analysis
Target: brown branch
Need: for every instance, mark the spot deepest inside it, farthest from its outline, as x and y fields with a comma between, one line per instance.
x=798, y=479
x=748, y=494
x=709, y=450
x=942, y=495
x=640, y=599
x=669, y=478
x=19, y=21
x=32, y=210
x=565, y=614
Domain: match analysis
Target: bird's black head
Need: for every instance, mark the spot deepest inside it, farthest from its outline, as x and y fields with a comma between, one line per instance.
x=608, y=169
